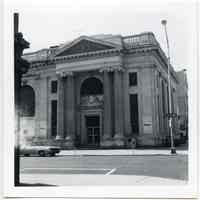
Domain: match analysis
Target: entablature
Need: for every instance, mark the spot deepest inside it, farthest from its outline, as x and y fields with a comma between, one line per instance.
x=100, y=64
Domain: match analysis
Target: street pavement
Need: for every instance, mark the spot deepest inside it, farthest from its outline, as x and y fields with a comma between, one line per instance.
x=96, y=180
x=87, y=169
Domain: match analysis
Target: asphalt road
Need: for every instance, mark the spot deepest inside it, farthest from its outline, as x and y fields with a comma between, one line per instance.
x=173, y=167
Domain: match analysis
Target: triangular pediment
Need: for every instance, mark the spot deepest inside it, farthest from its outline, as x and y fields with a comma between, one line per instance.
x=85, y=45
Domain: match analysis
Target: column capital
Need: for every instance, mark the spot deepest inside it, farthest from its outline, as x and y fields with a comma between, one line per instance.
x=64, y=74
x=111, y=68
x=106, y=69
x=118, y=68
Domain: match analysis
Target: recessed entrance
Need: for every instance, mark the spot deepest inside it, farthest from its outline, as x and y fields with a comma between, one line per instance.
x=93, y=130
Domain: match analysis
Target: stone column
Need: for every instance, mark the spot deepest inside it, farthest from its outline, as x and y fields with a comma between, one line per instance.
x=166, y=108
x=118, y=107
x=43, y=107
x=160, y=104
x=37, y=107
x=70, y=109
x=107, y=131
x=127, y=116
x=60, y=108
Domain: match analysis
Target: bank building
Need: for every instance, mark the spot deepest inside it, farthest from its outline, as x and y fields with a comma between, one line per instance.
x=102, y=91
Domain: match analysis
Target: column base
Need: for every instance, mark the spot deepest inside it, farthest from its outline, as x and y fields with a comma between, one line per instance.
x=107, y=142
x=38, y=141
x=69, y=142
x=151, y=140
x=58, y=137
x=118, y=140
x=130, y=142
x=145, y=140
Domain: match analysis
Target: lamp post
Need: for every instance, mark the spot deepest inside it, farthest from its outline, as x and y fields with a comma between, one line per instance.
x=173, y=149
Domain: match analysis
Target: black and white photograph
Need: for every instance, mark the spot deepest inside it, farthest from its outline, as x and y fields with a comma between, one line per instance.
x=100, y=98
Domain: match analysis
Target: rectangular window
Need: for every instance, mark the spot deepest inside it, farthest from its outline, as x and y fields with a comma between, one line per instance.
x=157, y=81
x=134, y=112
x=167, y=99
x=172, y=100
x=54, y=118
x=54, y=86
x=133, y=79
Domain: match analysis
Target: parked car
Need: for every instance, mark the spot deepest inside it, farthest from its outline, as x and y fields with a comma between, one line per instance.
x=28, y=150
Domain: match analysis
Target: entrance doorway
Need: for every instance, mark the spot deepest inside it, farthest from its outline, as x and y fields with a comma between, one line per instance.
x=93, y=130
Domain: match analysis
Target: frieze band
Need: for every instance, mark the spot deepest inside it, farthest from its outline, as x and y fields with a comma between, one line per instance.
x=112, y=68
x=65, y=73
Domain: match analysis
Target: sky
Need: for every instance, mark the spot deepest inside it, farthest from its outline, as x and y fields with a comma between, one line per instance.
x=46, y=23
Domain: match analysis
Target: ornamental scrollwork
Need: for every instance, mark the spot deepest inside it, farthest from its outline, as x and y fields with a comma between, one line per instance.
x=92, y=100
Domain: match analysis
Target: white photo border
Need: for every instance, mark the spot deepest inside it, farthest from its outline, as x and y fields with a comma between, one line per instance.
x=183, y=191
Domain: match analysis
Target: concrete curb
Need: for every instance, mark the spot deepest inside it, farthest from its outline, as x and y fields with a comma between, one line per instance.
x=119, y=153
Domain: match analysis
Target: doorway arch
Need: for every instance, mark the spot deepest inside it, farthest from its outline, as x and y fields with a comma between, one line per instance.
x=91, y=86
x=91, y=94
x=27, y=101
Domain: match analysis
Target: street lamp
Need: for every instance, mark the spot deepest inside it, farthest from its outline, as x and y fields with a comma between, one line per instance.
x=20, y=67
x=173, y=149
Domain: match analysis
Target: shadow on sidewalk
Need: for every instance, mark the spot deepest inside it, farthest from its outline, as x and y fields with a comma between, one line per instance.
x=35, y=184
x=181, y=147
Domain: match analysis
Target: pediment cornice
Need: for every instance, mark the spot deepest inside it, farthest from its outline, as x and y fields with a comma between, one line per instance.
x=84, y=45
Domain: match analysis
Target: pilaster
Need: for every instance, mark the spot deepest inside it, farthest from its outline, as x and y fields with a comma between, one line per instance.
x=60, y=109
x=107, y=131
x=118, y=107
x=70, y=108
x=166, y=109
x=37, y=107
x=43, y=107
x=147, y=108
x=127, y=120
x=160, y=105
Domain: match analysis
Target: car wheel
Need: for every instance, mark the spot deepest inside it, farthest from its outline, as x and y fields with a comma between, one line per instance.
x=49, y=154
x=53, y=154
x=41, y=153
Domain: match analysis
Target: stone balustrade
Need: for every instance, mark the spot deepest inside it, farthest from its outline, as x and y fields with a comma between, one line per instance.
x=142, y=39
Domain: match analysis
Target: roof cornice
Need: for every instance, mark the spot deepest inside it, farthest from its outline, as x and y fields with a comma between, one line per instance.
x=55, y=60
x=98, y=41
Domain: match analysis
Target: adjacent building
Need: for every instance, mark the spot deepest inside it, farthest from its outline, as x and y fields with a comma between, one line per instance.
x=99, y=91
x=182, y=95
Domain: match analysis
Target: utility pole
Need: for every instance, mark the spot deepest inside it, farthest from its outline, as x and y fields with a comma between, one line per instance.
x=173, y=149
x=20, y=67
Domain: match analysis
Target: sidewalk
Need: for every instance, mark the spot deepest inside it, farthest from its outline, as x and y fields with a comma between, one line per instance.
x=94, y=180
x=120, y=152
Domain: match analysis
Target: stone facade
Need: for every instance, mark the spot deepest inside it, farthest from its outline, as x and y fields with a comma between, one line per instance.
x=182, y=95
x=110, y=91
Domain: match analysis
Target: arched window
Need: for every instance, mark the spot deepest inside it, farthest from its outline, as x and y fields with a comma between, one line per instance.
x=91, y=86
x=27, y=101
